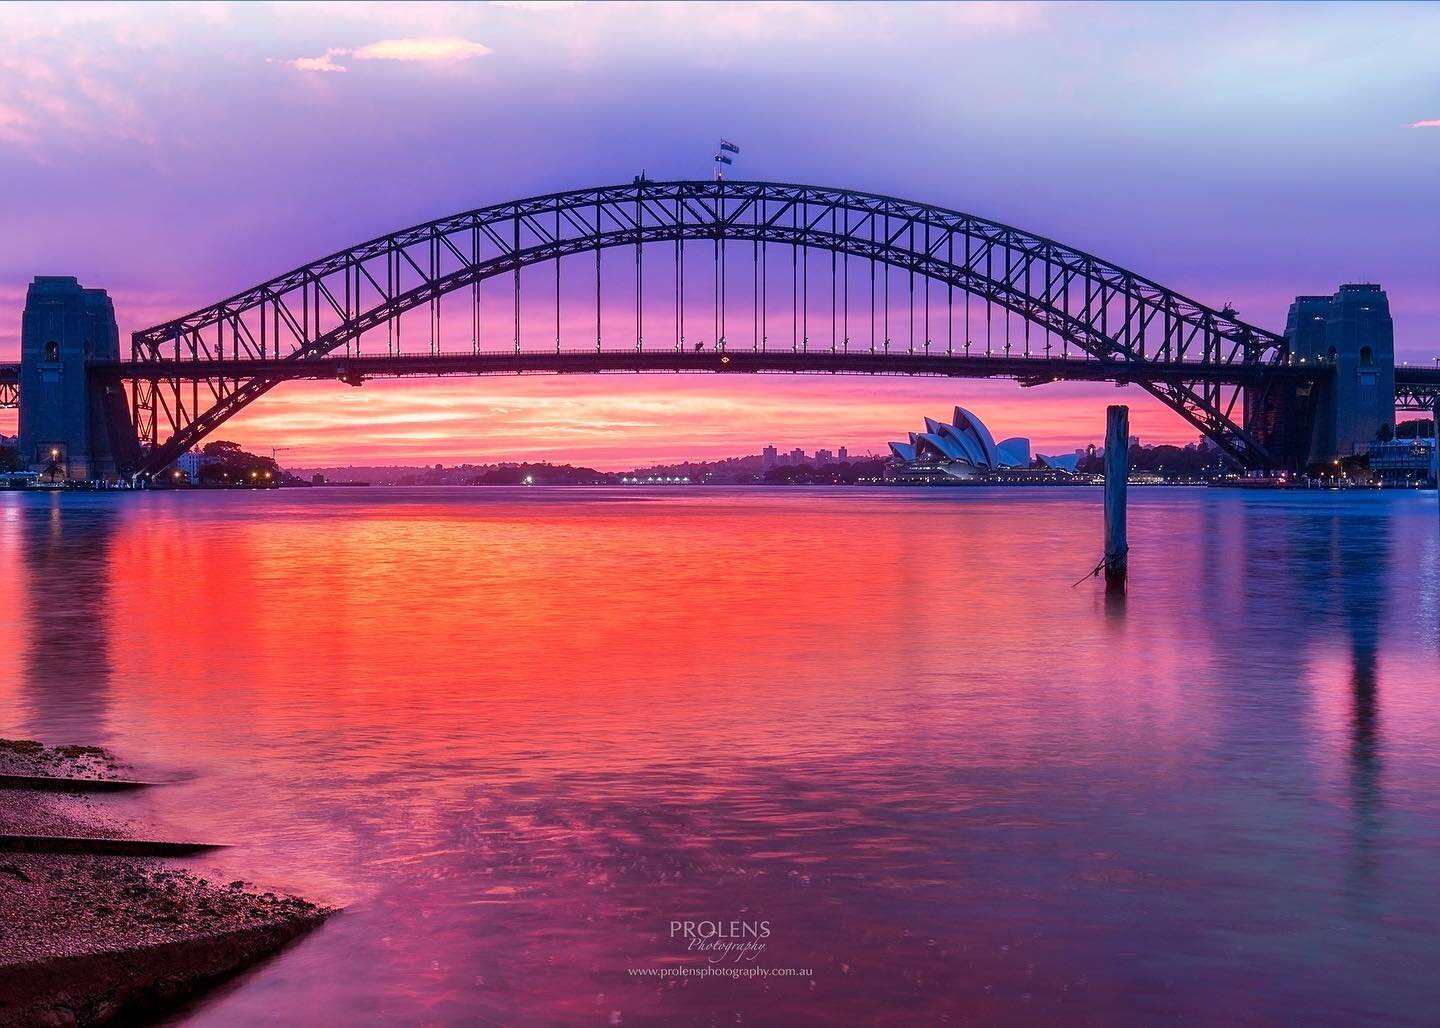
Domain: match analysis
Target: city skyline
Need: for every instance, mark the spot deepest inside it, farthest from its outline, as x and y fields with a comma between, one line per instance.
x=175, y=163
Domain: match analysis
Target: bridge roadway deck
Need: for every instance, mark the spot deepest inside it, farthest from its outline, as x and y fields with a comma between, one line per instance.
x=1029, y=370
x=1411, y=382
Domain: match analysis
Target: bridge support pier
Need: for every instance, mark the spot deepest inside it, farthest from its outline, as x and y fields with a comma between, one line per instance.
x=71, y=428
x=1351, y=336
x=1117, y=475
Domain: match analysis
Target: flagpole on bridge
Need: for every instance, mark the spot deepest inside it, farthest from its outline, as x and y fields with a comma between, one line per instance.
x=723, y=158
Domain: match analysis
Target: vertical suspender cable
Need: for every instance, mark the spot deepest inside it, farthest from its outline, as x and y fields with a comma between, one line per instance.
x=678, y=290
x=598, y=333
x=557, y=282
x=475, y=289
x=950, y=294
x=720, y=242
x=515, y=256
x=845, y=304
x=795, y=287
x=912, y=285
x=1065, y=291
x=1027, y=294
x=1007, y=307
x=990, y=288
x=967, y=294
x=764, y=284
x=805, y=294
x=679, y=277
x=927, y=289
x=834, y=257
x=639, y=273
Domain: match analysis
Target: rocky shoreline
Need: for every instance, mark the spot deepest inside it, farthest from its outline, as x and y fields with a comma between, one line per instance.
x=89, y=938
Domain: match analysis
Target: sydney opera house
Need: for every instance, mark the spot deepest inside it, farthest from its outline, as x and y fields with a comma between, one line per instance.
x=962, y=448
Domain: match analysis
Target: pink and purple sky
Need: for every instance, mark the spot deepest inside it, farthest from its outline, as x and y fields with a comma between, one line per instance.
x=174, y=154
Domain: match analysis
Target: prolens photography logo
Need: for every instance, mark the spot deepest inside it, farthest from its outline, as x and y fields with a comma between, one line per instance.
x=726, y=949
x=734, y=941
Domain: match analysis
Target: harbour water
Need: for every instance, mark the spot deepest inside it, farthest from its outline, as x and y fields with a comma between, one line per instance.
x=518, y=733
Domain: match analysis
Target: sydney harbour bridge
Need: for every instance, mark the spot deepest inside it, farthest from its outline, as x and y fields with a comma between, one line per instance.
x=715, y=277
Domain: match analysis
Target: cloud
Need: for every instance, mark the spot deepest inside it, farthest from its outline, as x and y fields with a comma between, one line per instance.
x=11, y=121
x=1432, y=123
x=996, y=17
x=418, y=48
x=424, y=48
x=54, y=90
x=535, y=5
x=321, y=63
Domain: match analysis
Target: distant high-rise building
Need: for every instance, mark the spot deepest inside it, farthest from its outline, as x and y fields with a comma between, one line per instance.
x=823, y=456
x=768, y=458
x=797, y=456
x=1134, y=440
x=843, y=455
x=191, y=463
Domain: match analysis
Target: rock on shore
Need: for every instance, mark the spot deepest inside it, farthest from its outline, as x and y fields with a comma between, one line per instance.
x=88, y=938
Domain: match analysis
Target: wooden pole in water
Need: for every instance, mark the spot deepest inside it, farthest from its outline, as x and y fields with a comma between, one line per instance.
x=1117, y=472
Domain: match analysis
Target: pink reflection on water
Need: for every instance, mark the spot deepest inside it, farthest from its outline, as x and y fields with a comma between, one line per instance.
x=519, y=732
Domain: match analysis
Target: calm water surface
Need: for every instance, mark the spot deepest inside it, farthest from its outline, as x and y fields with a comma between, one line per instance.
x=517, y=733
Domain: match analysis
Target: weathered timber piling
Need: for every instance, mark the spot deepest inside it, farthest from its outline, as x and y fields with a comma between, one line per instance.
x=1117, y=471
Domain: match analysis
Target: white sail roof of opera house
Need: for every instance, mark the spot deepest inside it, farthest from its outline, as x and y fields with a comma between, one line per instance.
x=1068, y=462
x=963, y=442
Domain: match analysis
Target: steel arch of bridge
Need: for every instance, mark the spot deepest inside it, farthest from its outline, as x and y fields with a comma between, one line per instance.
x=191, y=374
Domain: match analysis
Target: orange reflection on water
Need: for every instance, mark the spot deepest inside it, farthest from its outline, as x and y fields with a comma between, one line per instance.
x=518, y=732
